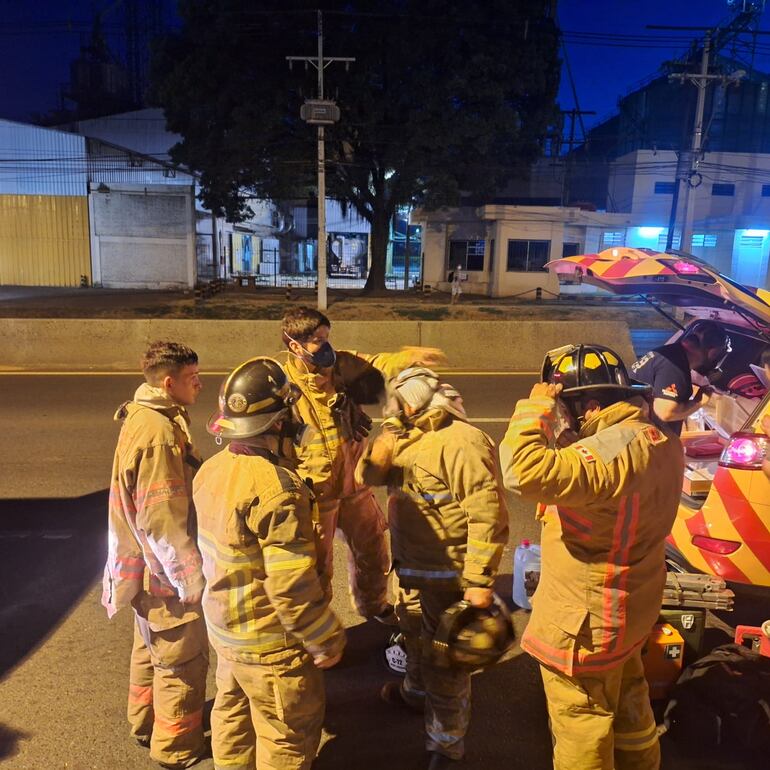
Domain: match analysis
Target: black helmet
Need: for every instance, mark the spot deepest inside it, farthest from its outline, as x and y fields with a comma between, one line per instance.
x=582, y=368
x=471, y=637
x=255, y=395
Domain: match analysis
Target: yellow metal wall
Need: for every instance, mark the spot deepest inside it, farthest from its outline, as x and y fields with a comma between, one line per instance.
x=44, y=240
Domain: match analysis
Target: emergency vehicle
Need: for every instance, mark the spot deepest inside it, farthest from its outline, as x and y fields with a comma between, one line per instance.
x=723, y=524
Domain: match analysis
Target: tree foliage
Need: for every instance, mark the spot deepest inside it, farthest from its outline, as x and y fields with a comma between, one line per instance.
x=444, y=98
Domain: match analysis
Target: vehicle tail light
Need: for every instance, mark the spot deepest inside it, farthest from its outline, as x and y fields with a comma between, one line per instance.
x=685, y=268
x=715, y=545
x=746, y=451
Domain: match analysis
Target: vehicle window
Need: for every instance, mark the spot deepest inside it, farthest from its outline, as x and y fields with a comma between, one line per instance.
x=745, y=351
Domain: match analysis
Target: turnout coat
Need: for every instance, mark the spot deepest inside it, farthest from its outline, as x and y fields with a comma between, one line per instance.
x=607, y=503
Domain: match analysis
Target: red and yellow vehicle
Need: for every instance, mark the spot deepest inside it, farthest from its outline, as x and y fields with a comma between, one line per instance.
x=723, y=524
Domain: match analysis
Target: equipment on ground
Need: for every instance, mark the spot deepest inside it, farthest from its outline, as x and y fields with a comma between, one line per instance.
x=662, y=657
x=723, y=700
x=473, y=637
x=685, y=589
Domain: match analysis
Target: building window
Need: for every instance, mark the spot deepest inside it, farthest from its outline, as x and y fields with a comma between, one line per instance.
x=766, y=190
x=492, y=256
x=704, y=240
x=468, y=254
x=726, y=190
x=664, y=188
x=570, y=249
x=663, y=240
x=752, y=241
x=527, y=256
x=614, y=238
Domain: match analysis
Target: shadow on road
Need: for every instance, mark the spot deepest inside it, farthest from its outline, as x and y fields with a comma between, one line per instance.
x=9, y=739
x=509, y=720
x=51, y=551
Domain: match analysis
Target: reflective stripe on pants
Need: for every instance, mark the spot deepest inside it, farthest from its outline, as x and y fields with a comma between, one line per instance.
x=447, y=690
x=602, y=721
x=269, y=714
x=140, y=678
x=179, y=660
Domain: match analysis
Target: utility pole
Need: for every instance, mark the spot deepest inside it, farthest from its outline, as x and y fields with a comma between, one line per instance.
x=321, y=112
x=701, y=82
x=688, y=162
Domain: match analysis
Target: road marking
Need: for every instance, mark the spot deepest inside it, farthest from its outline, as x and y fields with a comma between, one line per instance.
x=442, y=372
x=378, y=420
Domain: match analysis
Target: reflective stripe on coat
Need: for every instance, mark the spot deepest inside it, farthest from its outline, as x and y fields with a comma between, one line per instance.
x=607, y=504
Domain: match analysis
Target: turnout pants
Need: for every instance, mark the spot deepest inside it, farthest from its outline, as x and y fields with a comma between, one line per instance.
x=167, y=690
x=602, y=721
x=267, y=715
x=447, y=691
x=362, y=523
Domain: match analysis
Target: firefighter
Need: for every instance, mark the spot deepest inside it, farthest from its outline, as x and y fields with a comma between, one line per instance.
x=448, y=525
x=607, y=503
x=268, y=617
x=334, y=384
x=153, y=562
x=668, y=372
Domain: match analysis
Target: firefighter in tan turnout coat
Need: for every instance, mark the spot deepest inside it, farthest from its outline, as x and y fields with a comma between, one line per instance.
x=608, y=502
x=334, y=384
x=267, y=614
x=153, y=563
x=448, y=524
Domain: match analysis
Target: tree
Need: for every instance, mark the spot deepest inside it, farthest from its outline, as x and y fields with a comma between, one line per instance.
x=445, y=98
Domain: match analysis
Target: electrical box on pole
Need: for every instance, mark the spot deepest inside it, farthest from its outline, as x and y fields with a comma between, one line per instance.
x=320, y=112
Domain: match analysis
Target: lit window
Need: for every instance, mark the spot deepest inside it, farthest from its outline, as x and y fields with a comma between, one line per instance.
x=663, y=240
x=614, y=238
x=704, y=240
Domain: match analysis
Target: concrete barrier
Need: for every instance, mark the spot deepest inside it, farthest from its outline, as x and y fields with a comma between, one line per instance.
x=116, y=345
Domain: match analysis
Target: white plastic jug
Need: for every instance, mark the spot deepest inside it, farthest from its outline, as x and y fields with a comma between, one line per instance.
x=526, y=573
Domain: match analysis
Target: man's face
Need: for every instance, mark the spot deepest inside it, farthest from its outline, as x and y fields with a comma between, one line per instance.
x=184, y=386
x=320, y=336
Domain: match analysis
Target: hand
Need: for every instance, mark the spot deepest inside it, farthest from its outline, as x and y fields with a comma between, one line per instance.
x=766, y=424
x=194, y=598
x=704, y=395
x=546, y=390
x=430, y=357
x=323, y=661
x=478, y=597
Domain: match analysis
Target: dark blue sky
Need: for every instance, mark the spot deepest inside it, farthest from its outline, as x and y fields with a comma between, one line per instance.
x=35, y=51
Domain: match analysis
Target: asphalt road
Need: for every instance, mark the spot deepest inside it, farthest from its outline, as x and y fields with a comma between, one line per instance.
x=64, y=666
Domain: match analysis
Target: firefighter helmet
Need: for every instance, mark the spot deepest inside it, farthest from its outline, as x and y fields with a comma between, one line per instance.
x=471, y=637
x=581, y=368
x=255, y=395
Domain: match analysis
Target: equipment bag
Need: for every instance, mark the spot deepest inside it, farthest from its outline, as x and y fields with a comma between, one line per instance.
x=722, y=700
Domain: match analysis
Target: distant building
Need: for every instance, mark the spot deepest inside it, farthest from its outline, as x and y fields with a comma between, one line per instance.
x=78, y=211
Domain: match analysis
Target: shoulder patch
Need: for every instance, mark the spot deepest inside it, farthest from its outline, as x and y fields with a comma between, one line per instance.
x=607, y=444
x=654, y=435
x=585, y=452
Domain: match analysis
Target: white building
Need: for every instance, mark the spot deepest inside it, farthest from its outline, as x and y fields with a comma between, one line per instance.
x=77, y=211
x=501, y=250
x=731, y=221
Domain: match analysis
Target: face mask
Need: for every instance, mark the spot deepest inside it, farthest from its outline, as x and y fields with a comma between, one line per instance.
x=323, y=358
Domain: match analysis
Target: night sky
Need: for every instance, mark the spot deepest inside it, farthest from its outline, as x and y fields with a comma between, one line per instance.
x=36, y=47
